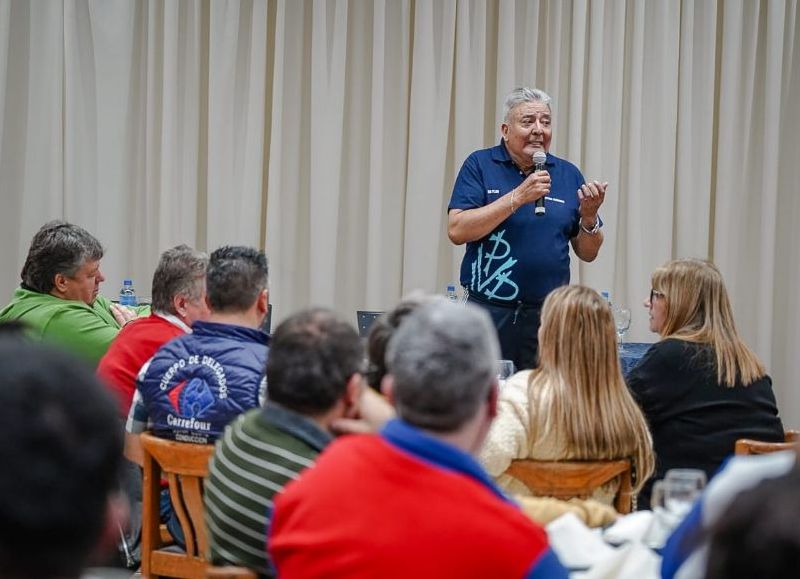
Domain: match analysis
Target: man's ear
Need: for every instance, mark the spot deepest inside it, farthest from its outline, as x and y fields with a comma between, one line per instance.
x=263, y=302
x=504, y=131
x=352, y=391
x=60, y=282
x=387, y=388
x=179, y=304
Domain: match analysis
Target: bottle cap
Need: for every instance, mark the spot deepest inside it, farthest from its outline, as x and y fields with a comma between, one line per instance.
x=127, y=282
x=451, y=288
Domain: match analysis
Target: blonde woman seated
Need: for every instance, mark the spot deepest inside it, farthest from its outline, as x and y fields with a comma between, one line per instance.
x=575, y=405
x=701, y=388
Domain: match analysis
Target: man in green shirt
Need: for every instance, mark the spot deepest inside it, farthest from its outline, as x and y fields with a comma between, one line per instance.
x=58, y=300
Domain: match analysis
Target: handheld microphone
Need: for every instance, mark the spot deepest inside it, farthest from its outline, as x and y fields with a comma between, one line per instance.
x=539, y=160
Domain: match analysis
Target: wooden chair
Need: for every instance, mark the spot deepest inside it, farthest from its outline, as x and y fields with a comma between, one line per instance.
x=747, y=446
x=230, y=573
x=184, y=465
x=569, y=479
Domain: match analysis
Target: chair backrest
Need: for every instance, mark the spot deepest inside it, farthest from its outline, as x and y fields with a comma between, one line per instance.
x=748, y=446
x=184, y=465
x=365, y=319
x=569, y=479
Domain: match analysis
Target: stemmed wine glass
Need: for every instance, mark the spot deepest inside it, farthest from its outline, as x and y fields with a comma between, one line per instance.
x=622, y=322
x=505, y=369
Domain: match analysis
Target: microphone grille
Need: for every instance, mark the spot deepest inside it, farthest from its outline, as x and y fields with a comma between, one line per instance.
x=539, y=158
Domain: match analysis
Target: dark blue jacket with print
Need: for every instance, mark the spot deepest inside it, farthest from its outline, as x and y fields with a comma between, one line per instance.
x=197, y=383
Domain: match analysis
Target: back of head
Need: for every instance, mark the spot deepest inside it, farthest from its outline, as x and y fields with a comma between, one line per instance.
x=180, y=271
x=698, y=310
x=589, y=403
x=381, y=332
x=312, y=356
x=442, y=359
x=58, y=247
x=696, y=298
x=577, y=338
x=758, y=535
x=61, y=455
x=236, y=276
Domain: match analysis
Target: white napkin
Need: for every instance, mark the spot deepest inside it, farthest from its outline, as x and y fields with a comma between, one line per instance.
x=577, y=546
x=632, y=527
x=632, y=561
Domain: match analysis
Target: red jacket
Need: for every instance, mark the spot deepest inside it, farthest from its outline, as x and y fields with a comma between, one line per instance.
x=371, y=509
x=134, y=345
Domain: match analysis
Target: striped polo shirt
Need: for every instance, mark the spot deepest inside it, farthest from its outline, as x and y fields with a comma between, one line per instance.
x=259, y=453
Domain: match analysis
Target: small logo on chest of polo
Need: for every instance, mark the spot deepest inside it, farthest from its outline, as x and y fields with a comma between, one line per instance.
x=493, y=191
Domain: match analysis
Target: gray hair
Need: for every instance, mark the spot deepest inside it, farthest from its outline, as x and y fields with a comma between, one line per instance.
x=524, y=95
x=58, y=247
x=442, y=358
x=180, y=271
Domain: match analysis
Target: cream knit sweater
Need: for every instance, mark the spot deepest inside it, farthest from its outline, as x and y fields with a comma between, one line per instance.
x=510, y=438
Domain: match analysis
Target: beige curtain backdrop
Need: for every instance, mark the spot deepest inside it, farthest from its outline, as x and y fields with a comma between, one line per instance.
x=330, y=133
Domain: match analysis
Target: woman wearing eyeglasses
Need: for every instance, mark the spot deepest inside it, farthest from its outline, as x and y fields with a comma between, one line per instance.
x=700, y=387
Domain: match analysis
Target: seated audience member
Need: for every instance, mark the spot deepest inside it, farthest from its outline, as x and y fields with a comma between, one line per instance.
x=759, y=536
x=61, y=450
x=59, y=298
x=314, y=379
x=701, y=388
x=413, y=500
x=718, y=516
x=197, y=383
x=575, y=406
x=382, y=331
x=372, y=412
x=179, y=300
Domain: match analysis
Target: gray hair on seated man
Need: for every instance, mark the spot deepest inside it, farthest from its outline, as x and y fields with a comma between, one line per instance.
x=442, y=363
x=181, y=271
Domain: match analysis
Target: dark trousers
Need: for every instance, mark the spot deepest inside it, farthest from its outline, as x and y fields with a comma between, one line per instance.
x=517, y=328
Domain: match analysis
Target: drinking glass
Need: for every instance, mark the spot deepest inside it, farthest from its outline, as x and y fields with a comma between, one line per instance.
x=622, y=321
x=692, y=476
x=505, y=369
x=671, y=501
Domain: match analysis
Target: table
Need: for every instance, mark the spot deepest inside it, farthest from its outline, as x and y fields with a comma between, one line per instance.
x=631, y=354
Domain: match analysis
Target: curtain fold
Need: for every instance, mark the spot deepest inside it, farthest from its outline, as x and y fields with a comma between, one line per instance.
x=332, y=132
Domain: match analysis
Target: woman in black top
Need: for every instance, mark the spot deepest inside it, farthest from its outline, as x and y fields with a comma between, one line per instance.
x=700, y=388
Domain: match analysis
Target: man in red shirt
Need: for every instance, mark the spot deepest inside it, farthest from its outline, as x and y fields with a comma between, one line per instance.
x=413, y=500
x=179, y=300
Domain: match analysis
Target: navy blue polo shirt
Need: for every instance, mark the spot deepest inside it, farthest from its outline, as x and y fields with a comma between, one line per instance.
x=525, y=257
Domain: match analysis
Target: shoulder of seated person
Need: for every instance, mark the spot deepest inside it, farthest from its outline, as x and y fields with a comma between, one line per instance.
x=516, y=387
x=519, y=380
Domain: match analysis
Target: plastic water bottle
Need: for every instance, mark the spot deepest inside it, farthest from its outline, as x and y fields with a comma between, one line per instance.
x=127, y=295
x=451, y=294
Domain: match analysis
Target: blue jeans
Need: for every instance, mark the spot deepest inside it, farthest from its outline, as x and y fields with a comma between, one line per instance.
x=169, y=517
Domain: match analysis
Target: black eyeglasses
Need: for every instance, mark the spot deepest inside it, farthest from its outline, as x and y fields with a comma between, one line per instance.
x=655, y=294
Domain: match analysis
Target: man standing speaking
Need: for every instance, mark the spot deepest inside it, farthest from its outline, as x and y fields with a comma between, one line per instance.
x=516, y=255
